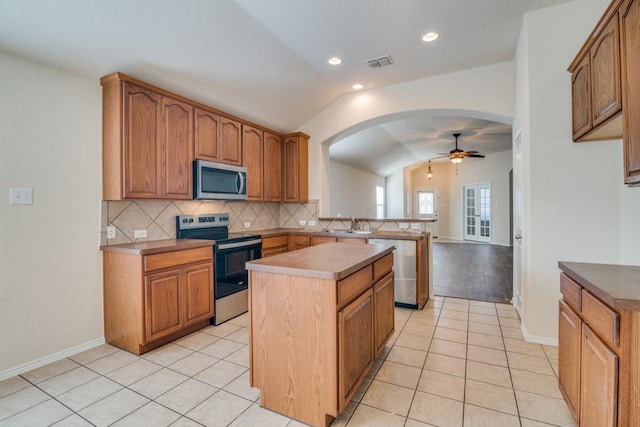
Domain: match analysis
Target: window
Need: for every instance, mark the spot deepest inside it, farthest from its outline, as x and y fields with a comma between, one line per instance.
x=379, y=202
x=425, y=203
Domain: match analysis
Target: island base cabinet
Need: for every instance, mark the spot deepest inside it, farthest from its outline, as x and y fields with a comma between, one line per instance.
x=312, y=339
x=355, y=329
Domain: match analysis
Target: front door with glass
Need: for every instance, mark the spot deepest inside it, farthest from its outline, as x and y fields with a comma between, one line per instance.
x=477, y=212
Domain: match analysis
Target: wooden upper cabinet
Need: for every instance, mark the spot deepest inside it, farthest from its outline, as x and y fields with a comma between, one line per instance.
x=630, y=42
x=142, y=145
x=177, y=149
x=296, y=168
x=606, y=100
x=596, y=99
x=230, y=141
x=272, y=168
x=253, y=158
x=206, y=143
x=581, y=99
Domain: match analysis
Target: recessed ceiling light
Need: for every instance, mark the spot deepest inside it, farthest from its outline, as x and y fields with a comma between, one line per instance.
x=429, y=37
x=357, y=86
x=335, y=61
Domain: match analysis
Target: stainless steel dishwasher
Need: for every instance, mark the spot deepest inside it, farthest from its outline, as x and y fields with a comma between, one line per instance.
x=405, y=271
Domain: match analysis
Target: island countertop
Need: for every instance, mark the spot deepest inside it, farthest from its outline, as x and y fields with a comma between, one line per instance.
x=333, y=261
x=616, y=285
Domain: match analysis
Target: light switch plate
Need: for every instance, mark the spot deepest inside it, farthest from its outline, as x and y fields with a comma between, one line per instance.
x=140, y=234
x=302, y=222
x=311, y=223
x=247, y=225
x=21, y=196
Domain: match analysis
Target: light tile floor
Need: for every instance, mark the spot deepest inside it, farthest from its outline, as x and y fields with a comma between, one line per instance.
x=455, y=363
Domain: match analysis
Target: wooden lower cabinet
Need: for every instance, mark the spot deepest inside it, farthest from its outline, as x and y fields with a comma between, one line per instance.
x=299, y=241
x=599, y=382
x=383, y=302
x=596, y=376
x=318, y=240
x=570, y=335
x=274, y=245
x=150, y=300
x=355, y=346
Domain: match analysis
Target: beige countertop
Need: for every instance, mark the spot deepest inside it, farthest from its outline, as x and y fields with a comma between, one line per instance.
x=616, y=285
x=408, y=220
x=333, y=261
x=157, y=246
x=395, y=235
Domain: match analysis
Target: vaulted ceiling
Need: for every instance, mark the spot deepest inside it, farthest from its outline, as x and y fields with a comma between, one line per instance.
x=267, y=60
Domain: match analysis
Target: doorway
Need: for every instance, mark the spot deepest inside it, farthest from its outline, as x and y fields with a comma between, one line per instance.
x=477, y=212
x=427, y=207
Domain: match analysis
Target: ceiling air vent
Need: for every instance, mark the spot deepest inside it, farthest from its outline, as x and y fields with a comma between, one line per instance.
x=383, y=61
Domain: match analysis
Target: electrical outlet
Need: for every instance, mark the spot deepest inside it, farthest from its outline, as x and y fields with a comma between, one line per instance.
x=140, y=234
x=21, y=196
x=247, y=225
x=403, y=225
x=415, y=226
x=302, y=223
x=111, y=232
x=311, y=223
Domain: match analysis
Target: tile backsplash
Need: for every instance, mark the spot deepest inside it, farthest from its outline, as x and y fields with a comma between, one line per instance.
x=159, y=217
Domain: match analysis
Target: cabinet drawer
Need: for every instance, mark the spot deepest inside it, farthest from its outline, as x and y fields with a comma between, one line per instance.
x=571, y=292
x=350, y=287
x=355, y=240
x=171, y=259
x=603, y=320
x=382, y=266
x=299, y=239
x=273, y=251
x=318, y=240
x=274, y=242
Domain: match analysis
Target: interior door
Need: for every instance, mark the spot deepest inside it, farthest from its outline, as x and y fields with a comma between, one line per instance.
x=427, y=207
x=518, y=253
x=477, y=212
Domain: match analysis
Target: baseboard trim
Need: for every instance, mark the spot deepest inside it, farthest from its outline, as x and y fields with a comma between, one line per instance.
x=538, y=340
x=50, y=358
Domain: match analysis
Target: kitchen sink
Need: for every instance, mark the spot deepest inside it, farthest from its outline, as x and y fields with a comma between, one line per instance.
x=337, y=230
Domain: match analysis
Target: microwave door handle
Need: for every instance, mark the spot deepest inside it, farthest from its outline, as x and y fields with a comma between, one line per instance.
x=239, y=183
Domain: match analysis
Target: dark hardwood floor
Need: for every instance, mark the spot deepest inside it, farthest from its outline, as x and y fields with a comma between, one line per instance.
x=475, y=271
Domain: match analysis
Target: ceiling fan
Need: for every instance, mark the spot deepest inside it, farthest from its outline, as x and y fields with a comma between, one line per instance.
x=456, y=155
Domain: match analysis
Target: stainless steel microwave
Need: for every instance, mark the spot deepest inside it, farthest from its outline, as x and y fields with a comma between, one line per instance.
x=217, y=181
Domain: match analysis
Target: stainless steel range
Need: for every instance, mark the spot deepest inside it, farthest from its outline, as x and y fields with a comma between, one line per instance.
x=230, y=253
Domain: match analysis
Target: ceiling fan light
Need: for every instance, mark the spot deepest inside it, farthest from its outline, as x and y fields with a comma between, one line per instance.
x=456, y=159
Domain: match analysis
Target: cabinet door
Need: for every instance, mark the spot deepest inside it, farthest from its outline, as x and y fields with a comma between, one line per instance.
x=569, y=343
x=318, y=240
x=605, y=73
x=383, y=299
x=162, y=304
x=177, y=149
x=272, y=168
x=355, y=345
x=252, y=160
x=230, y=142
x=353, y=240
x=296, y=179
x=206, y=135
x=198, y=293
x=581, y=99
x=142, y=148
x=599, y=397
x=630, y=35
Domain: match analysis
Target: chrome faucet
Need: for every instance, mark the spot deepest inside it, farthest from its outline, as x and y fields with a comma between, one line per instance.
x=354, y=224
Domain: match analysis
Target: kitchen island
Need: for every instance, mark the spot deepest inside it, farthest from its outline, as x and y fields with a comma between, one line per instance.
x=318, y=318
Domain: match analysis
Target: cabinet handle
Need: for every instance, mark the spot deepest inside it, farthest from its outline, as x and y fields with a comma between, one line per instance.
x=608, y=107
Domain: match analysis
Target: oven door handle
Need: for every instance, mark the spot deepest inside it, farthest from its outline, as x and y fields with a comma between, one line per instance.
x=238, y=244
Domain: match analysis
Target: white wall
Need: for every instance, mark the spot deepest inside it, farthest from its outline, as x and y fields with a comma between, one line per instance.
x=493, y=169
x=484, y=92
x=394, y=189
x=353, y=191
x=572, y=192
x=51, y=287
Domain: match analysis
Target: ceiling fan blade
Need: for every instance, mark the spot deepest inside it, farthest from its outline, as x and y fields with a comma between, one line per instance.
x=476, y=155
x=471, y=151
